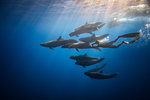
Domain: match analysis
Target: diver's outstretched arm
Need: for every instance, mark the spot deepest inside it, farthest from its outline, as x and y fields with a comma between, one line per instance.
x=130, y=35
x=116, y=46
x=111, y=42
x=120, y=44
x=108, y=44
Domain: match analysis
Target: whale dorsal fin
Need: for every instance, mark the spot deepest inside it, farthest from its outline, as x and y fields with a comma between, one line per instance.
x=93, y=35
x=85, y=54
x=86, y=23
x=77, y=35
x=59, y=38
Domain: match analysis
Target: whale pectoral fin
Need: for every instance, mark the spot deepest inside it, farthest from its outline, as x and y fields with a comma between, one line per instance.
x=83, y=66
x=51, y=48
x=92, y=78
x=101, y=71
x=77, y=49
x=99, y=49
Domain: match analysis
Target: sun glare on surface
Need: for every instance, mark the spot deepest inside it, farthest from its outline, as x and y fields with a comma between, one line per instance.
x=77, y=12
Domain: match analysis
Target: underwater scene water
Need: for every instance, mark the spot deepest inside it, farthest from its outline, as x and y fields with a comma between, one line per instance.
x=33, y=72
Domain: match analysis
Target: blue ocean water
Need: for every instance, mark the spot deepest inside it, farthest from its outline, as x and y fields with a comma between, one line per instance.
x=32, y=72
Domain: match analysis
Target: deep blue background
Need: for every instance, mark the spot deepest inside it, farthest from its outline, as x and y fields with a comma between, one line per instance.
x=31, y=72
